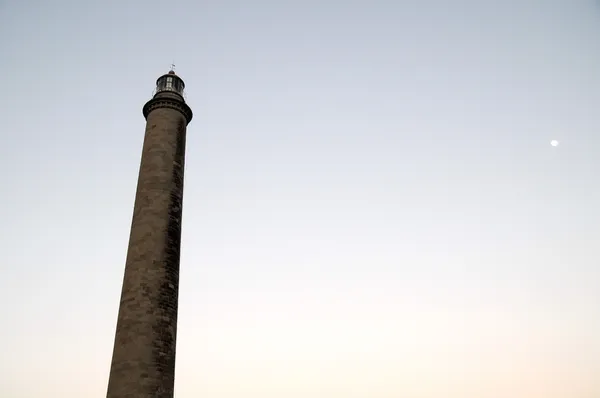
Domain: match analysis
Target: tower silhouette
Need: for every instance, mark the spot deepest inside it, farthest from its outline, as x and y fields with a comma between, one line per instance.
x=143, y=361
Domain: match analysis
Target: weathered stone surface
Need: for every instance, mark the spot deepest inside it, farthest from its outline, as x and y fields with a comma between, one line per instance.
x=143, y=363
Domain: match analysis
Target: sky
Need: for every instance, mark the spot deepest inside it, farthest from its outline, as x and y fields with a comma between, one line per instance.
x=372, y=204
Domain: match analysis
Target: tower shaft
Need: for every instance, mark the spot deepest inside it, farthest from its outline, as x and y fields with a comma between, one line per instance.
x=143, y=362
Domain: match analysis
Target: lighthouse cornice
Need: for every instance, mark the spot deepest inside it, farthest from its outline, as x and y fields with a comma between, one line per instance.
x=170, y=103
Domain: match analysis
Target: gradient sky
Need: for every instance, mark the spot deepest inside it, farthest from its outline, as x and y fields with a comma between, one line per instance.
x=372, y=206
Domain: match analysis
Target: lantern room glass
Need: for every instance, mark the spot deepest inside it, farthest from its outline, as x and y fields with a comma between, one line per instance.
x=170, y=83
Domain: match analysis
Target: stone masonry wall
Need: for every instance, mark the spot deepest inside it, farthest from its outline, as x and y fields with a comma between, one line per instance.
x=143, y=363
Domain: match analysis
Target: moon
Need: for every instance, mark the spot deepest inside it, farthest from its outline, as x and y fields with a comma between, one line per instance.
x=554, y=142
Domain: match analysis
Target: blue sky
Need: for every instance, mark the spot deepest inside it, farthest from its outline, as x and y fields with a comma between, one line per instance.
x=372, y=205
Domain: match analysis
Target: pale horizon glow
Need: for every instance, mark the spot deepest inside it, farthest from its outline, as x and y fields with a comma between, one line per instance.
x=371, y=205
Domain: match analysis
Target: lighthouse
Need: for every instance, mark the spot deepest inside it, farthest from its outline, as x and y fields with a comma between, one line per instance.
x=143, y=360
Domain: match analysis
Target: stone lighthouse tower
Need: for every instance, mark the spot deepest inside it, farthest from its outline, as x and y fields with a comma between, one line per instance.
x=143, y=361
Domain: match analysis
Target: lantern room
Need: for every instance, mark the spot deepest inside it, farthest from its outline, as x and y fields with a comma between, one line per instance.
x=171, y=83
